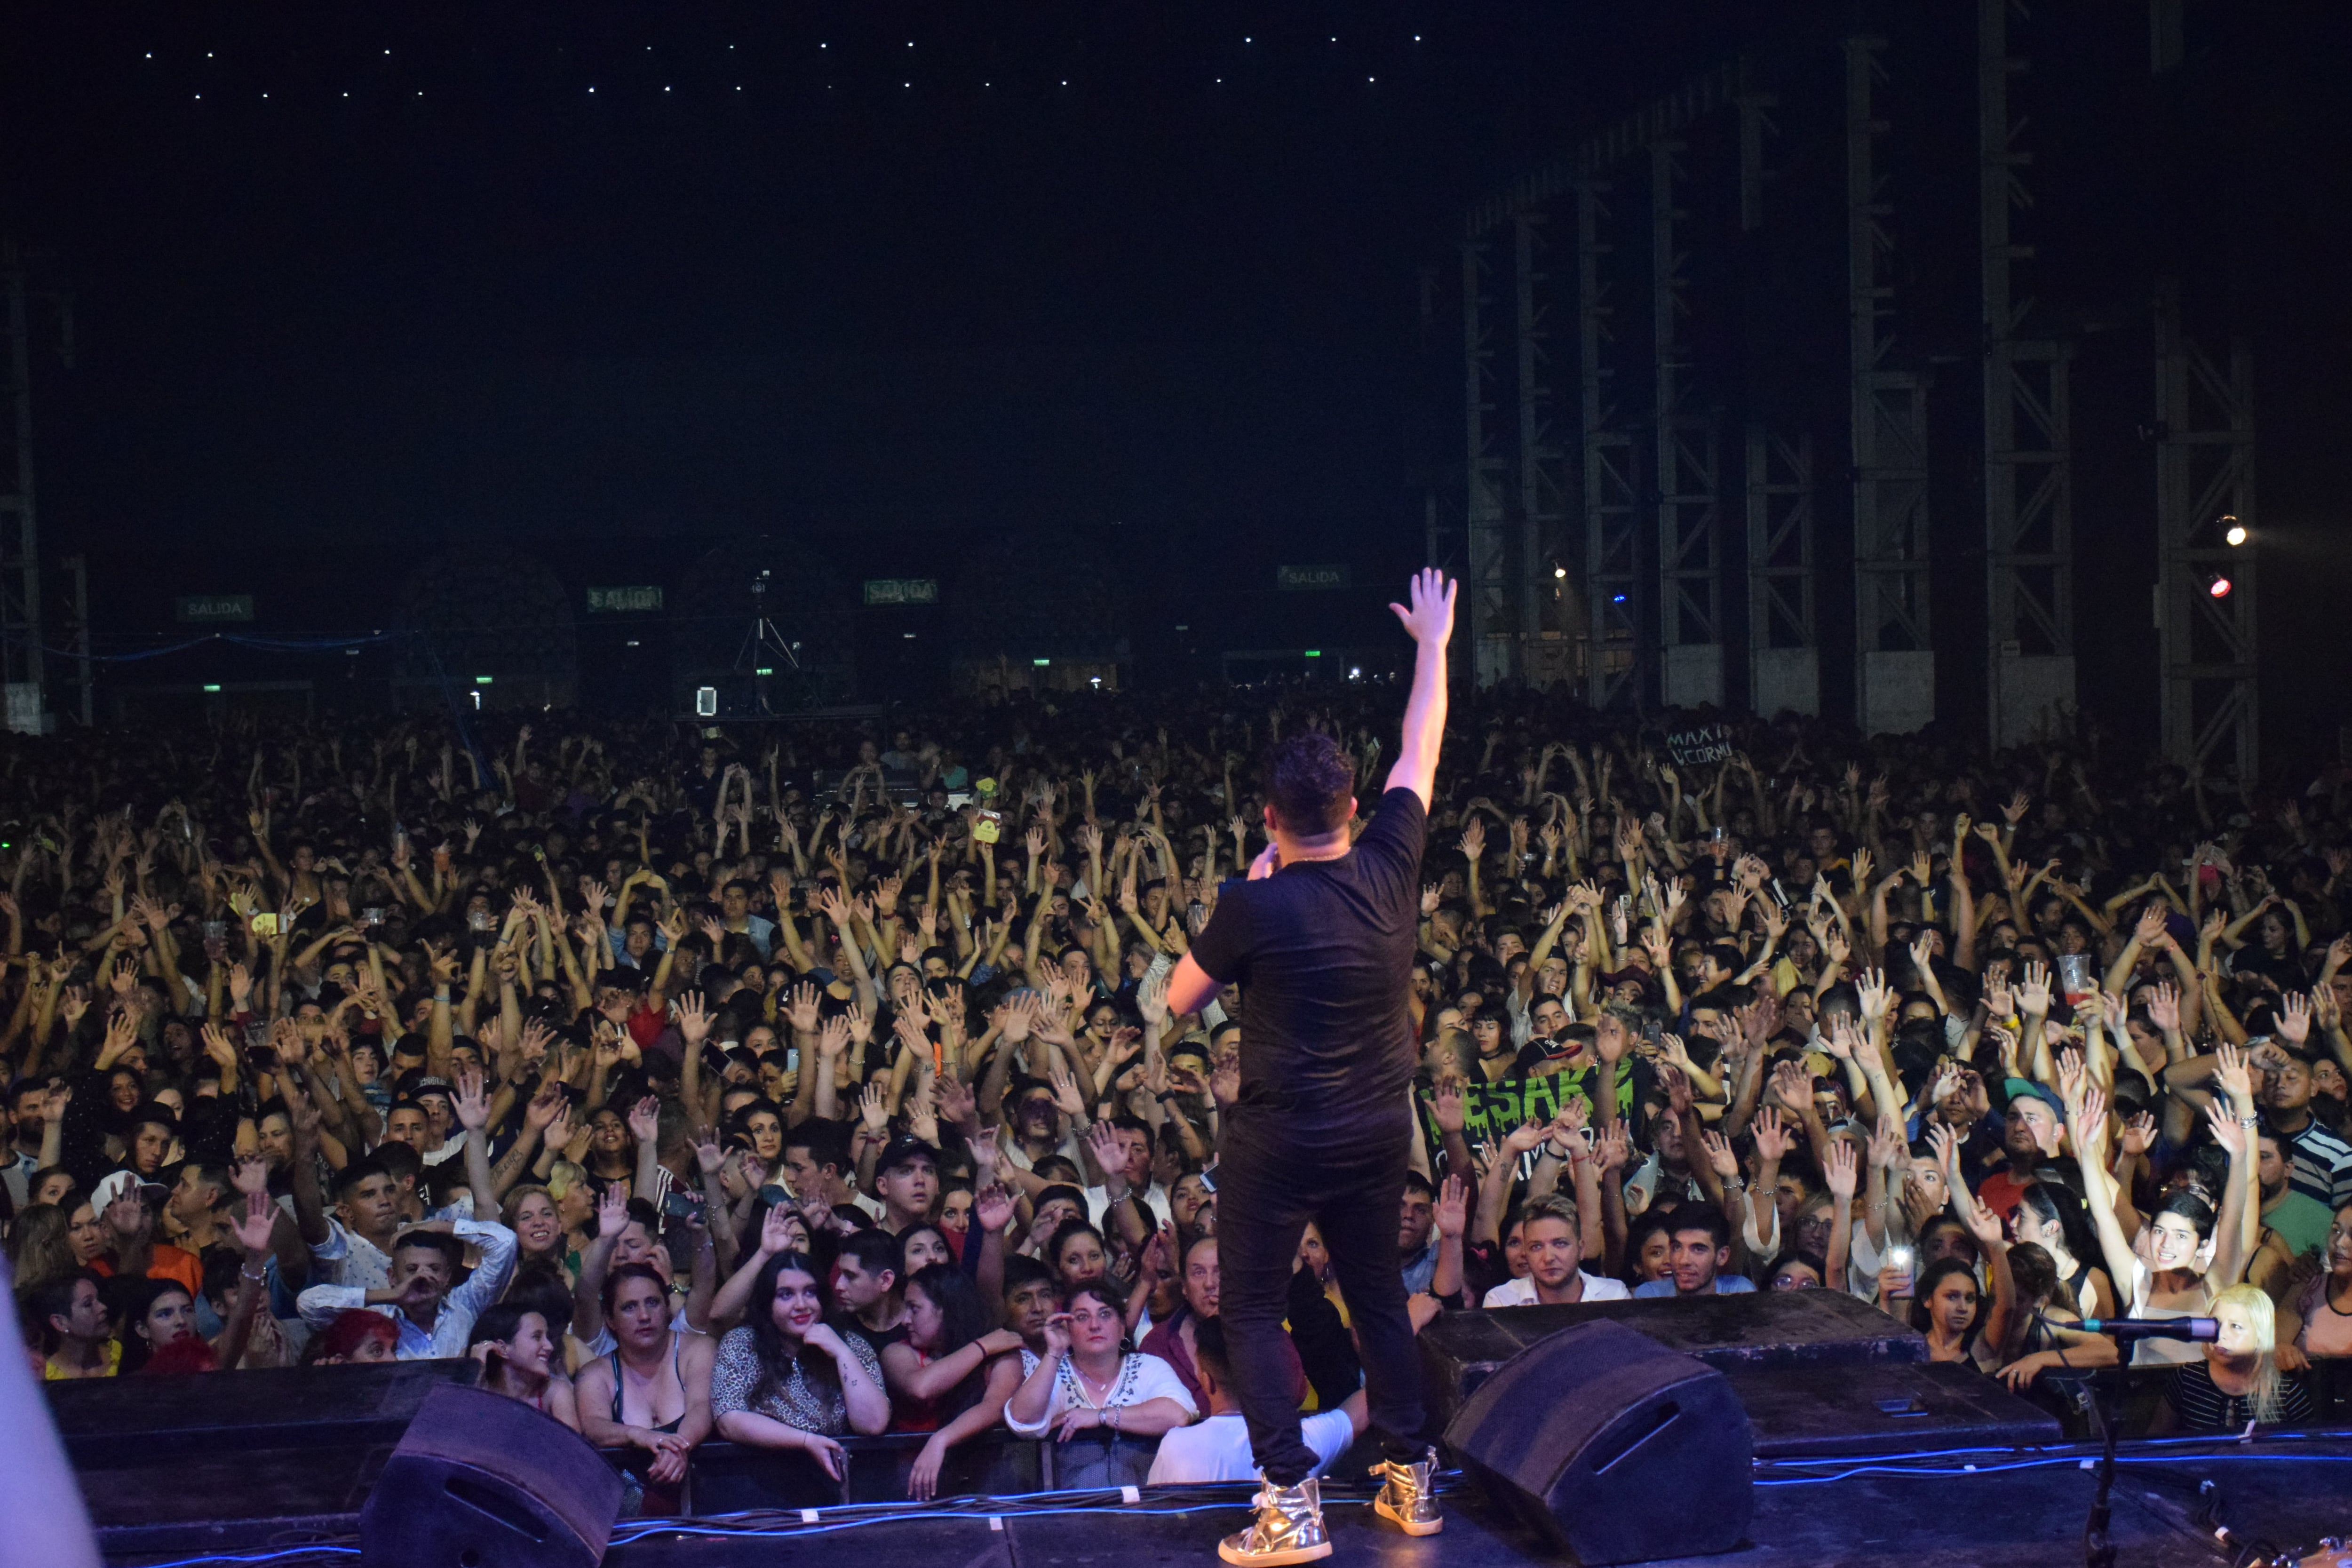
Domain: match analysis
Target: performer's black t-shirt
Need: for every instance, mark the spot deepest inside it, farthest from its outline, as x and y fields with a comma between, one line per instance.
x=1323, y=951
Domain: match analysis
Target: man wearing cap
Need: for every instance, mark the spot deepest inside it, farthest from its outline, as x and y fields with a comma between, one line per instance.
x=2031, y=1132
x=125, y=1204
x=907, y=1180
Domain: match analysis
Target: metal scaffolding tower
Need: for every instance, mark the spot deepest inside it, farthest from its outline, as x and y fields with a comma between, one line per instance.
x=1613, y=565
x=2029, y=484
x=20, y=548
x=1895, y=662
x=1689, y=472
x=2204, y=491
x=1754, y=125
x=1493, y=601
x=1784, y=664
x=1524, y=620
x=1546, y=654
x=78, y=607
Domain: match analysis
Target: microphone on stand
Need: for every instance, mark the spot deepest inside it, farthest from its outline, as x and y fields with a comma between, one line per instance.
x=2201, y=1328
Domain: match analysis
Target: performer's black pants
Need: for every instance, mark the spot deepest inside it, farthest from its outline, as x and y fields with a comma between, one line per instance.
x=1273, y=1176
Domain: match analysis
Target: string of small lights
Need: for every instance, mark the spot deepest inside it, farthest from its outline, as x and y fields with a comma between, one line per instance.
x=805, y=68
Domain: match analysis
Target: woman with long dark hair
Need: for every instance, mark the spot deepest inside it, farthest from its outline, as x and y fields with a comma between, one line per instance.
x=521, y=1360
x=1948, y=1310
x=2051, y=1217
x=786, y=1380
x=952, y=1374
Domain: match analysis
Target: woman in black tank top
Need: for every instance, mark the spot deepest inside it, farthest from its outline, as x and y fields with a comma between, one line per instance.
x=658, y=1401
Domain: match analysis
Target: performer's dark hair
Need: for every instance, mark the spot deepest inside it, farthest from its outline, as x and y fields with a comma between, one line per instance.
x=1309, y=780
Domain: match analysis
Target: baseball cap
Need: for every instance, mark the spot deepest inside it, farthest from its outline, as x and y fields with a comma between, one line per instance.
x=2020, y=1088
x=111, y=1188
x=904, y=1148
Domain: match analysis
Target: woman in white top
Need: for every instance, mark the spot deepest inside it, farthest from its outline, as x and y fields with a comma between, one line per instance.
x=1087, y=1382
x=2174, y=1287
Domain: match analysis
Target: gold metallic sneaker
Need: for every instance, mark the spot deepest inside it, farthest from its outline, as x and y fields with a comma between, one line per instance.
x=1289, y=1528
x=1408, y=1498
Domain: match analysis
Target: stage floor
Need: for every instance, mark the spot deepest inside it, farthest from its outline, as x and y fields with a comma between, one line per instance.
x=2289, y=1493
x=2017, y=1508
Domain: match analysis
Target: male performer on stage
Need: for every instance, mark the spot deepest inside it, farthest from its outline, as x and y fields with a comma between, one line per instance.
x=1320, y=941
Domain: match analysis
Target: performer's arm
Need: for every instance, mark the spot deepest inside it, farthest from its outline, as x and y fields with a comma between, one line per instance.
x=1189, y=987
x=1430, y=622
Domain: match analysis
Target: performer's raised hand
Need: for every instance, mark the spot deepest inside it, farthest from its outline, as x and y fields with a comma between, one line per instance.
x=1431, y=619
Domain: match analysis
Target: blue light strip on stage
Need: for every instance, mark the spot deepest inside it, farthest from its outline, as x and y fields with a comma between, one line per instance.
x=2074, y=1461
x=281, y=1555
x=929, y=1516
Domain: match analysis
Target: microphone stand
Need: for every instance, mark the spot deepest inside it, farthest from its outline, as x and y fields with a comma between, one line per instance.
x=2098, y=1546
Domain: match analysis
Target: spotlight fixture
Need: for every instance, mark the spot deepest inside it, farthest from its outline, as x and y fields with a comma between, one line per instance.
x=2219, y=587
x=1560, y=571
x=2232, y=531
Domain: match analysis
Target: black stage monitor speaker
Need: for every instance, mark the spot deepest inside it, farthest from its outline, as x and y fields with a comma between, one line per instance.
x=1616, y=1448
x=484, y=1481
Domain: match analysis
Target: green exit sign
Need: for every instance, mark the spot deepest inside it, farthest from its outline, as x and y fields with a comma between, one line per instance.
x=902, y=590
x=638, y=600
x=1310, y=579
x=203, y=608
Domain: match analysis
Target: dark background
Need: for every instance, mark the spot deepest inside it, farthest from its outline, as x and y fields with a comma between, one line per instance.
x=1189, y=316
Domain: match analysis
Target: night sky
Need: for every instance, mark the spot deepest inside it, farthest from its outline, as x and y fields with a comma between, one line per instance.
x=350, y=286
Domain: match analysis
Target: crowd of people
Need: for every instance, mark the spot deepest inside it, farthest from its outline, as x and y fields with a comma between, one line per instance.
x=785, y=1085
